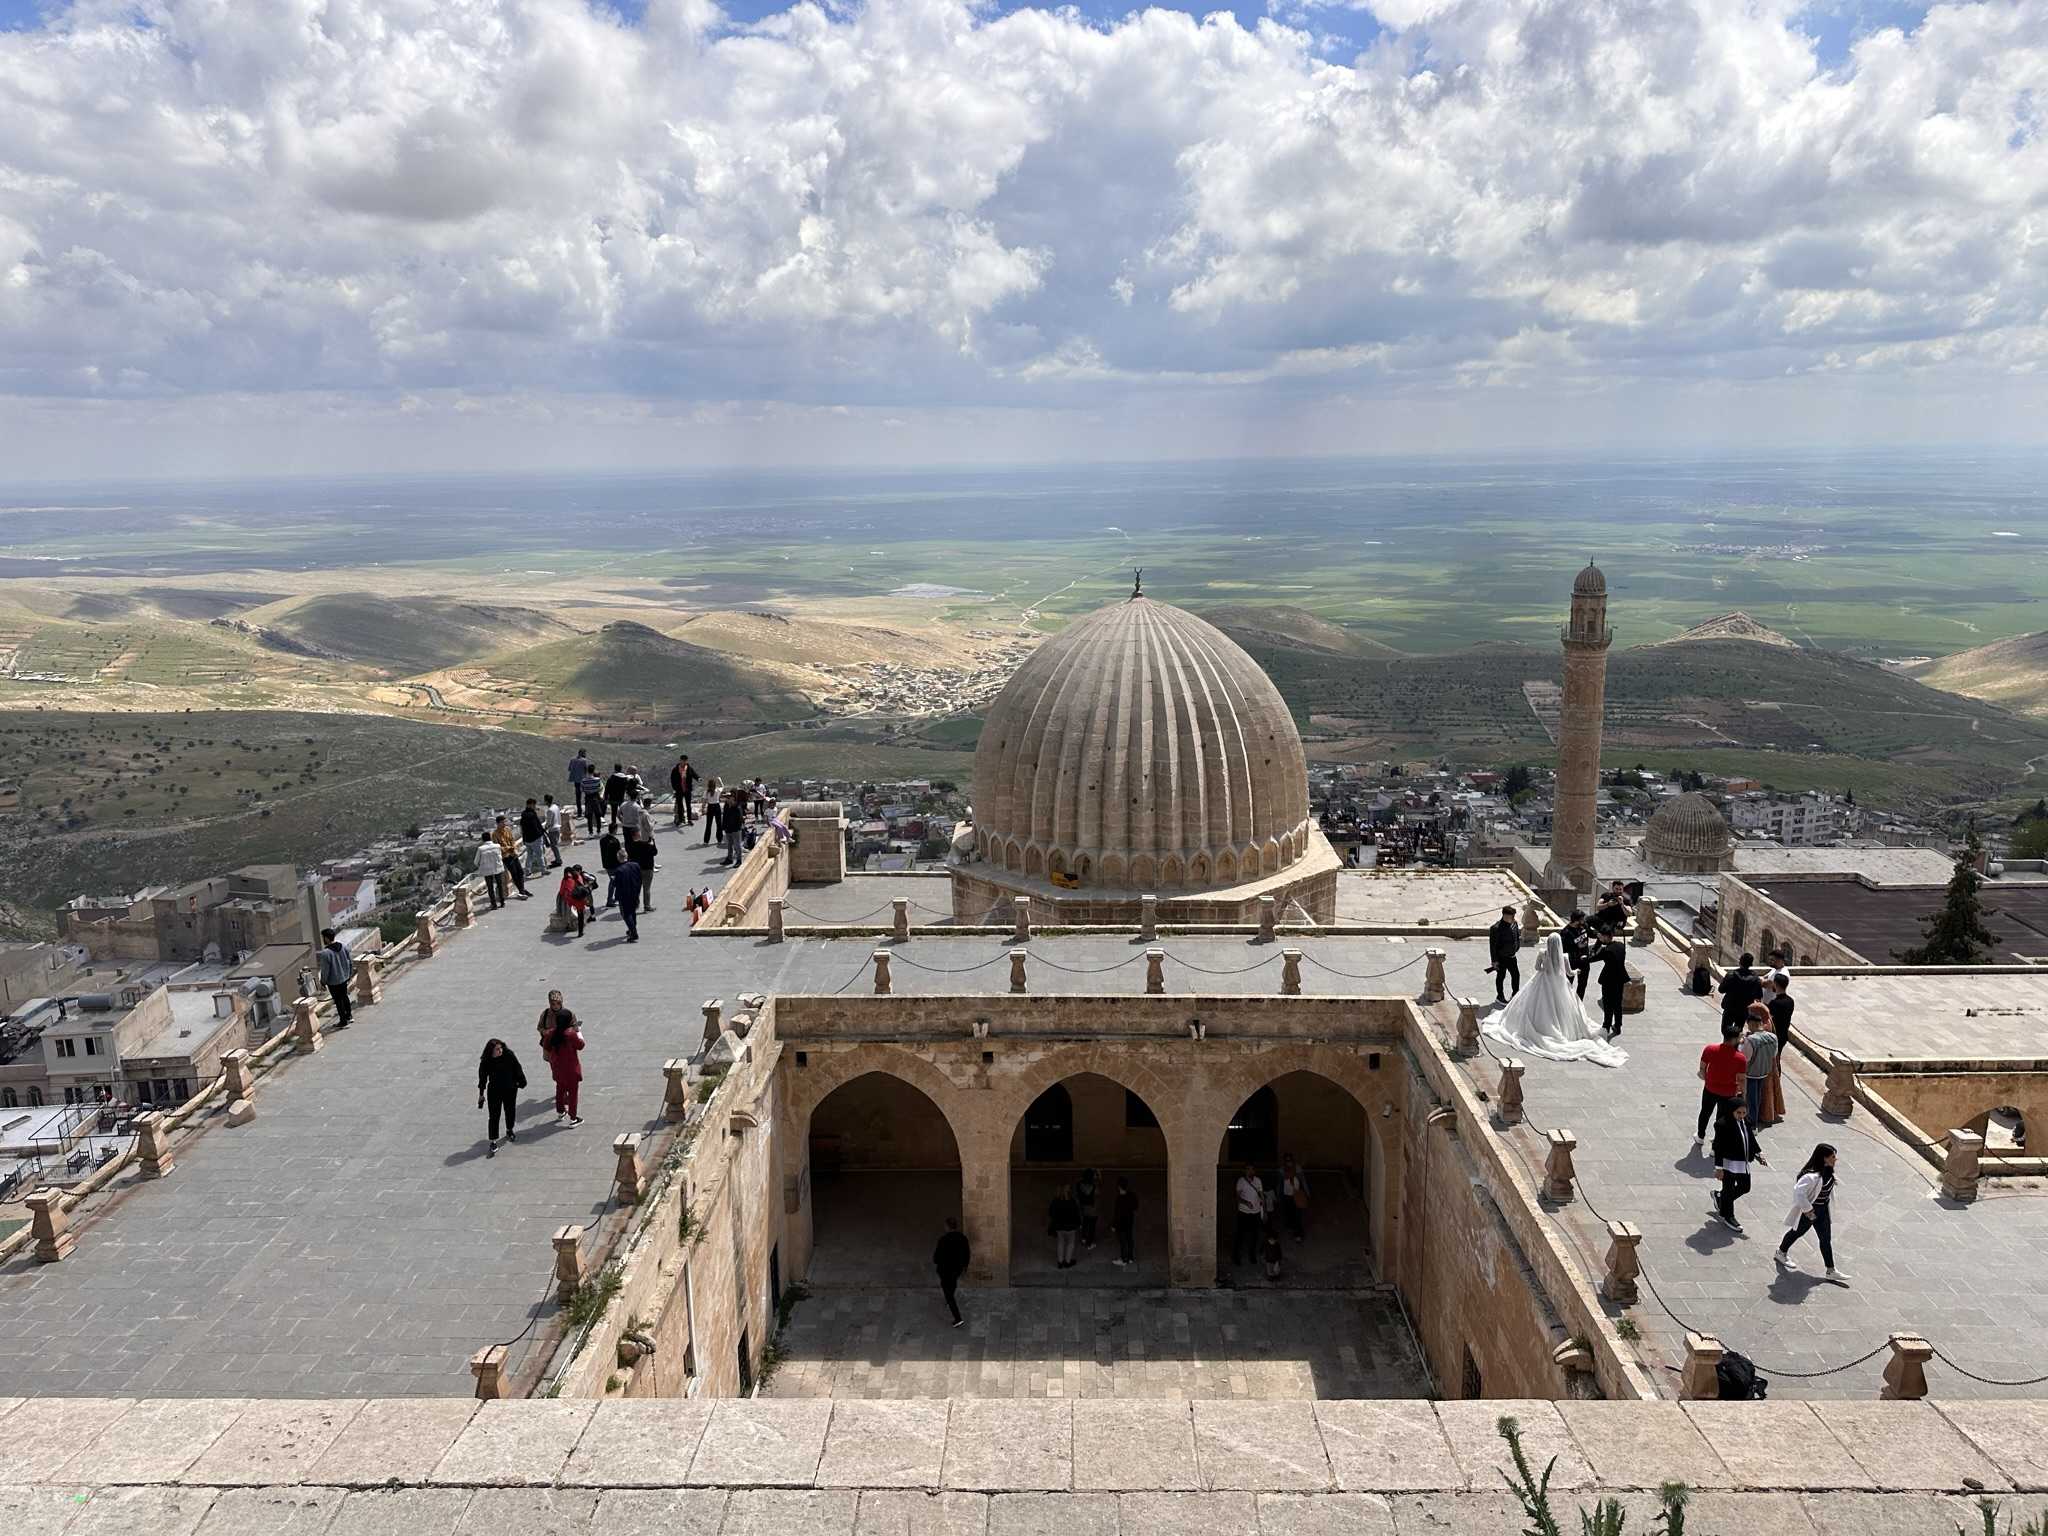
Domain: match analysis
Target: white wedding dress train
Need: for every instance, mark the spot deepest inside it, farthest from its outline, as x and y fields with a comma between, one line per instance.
x=1547, y=1019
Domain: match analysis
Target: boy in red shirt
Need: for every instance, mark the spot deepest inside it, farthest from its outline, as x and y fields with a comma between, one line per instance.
x=1722, y=1069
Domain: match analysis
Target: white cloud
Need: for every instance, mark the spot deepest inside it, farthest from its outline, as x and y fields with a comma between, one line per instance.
x=922, y=206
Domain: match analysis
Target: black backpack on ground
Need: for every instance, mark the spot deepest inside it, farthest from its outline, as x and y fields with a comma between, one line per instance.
x=1738, y=1378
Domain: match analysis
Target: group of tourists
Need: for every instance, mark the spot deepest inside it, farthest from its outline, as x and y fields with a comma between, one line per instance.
x=1073, y=1220
x=499, y=1076
x=1263, y=1205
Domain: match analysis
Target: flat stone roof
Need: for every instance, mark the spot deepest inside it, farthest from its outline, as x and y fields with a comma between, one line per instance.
x=1886, y=1016
x=1880, y=922
x=1442, y=898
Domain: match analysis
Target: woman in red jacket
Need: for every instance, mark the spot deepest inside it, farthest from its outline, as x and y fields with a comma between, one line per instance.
x=561, y=1042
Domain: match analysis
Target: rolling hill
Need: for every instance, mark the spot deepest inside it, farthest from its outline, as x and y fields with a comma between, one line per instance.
x=2013, y=673
x=403, y=638
x=766, y=636
x=1281, y=626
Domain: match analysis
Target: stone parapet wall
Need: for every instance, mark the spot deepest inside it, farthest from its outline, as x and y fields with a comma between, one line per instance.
x=1742, y=906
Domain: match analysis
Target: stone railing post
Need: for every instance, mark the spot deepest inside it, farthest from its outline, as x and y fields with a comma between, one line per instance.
x=153, y=1145
x=1532, y=921
x=1701, y=1379
x=1148, y=918
x=239, y=1079
x=1839, y=1099
x=50, y=1226
x=568, y=1262
x=1618, y=1284
x=465, y=907
x=1962, y=1167
x=900, y=921
x=1155, y=971
x=1557, y=1166
x=714, y=1011
x=1700, y=957
x=369, y=986
x=1017, y=959
x=1507, y=1097
x=627, y=1177
x=1467, y=1041
x=675, y=1089
x=424, y=938
x=775, y=920
x=306, y=1034
x=1290, y=973
x=1267, y=908
x=1646, y=921
x=1433, y=984
x=882, y=982
x=488, y=1367
x=1905, y=1374
x=1020, y=908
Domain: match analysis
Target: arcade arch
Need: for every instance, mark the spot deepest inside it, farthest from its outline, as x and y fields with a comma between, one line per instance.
x=1087, y=1120
x=1323, y=1126
x=885, y=1175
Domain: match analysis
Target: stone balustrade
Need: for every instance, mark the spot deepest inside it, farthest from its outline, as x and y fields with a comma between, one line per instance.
x=627, y=1177
x=1558, y=1173
x=1290, y=973
x=1466, y=1043
x=899, y=922
x=1624, y=1265
x=1962, y=1167
x=1018, y=957
x=1507, y=1098
x=882, y=983
x=1020, y=910
x=1434, y=985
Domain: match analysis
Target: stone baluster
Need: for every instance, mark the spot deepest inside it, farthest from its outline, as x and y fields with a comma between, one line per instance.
x=1700, y=1381
x=1020, y=908
x=306, y=1034
x=1532, y=921
x=900, y=921
x=1840, y=1096
x=1962, y=1167
x=882, y=981
x=1155, y=971
x=424, y=937
x=1290, y=973
x=239, y=1078
x=775, y=920
x=1017, y=959
x=153, y=1145
x=1148, y=919
x=1905, y=1374
x=714, y=1013
x=50, y=1226
x=1267, y=908
x=1700, y=957
x=465, y=907
x=1467, y=1043
x=675, y=1089
x=1557, y=1166
x=488, y=1367
x=1646, y=921
x=1618, y=1284
x=1508, y=1096
x=627, y=1178
x=1433, y=984
x=568, y=1262
x=369, y=986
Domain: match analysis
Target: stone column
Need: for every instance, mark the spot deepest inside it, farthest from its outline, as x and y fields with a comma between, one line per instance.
x=1618, y=1284
x=488, y=1367
x=1191, y=1213
x=1960, y=1169
x=675, y=1089
x=1840, y=1097
x=50, y=1226
x=714, y=1009
x=627, y=1177
x=900, y=921
x=424, y=938
x=153, y=1145
x=1017, y=959
x=1507, y=1098
x=1290, y=973
x=1020, y=908
x=239, y=1079
x=1148, y=918
x=985, y=1202
x=568, y=1262
x=1700, y=1380
x=1267, y=907
x=1646, y=921
x=1155, y=971
x=1532, y=922
x=465, y=907
x=1557, y=1166
x=369, y=989
x=882, y=973
x=1585, y=639
x=1905, y=1374
x=306, y=1034
x=1467, y=1043
x=1433, y=984
x=775, y=920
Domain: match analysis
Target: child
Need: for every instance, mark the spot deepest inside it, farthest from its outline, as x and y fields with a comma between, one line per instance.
x=575, y=893
x=1274, y=1252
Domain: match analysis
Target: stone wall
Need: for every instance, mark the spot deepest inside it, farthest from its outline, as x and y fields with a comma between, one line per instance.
x=1937, y=1102
x=1751, y=922
x=980, y=899
x=742, y=902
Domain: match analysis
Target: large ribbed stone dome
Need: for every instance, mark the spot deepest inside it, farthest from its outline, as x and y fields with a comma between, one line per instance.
x=1688, y=833
x=1141, y=748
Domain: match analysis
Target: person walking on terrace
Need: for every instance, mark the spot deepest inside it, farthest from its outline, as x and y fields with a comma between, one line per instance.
x=735, y=826
x=561, y=1043
x=626, y=881
x=490, y=863
x=1780, y=1004
x=682, y=783
x=551, y=829
x=508, y=844
x=714, y=813
x=1063, y=1223
x=1739, y=988
x=1294, y=1197
x=1735, y=1149
x=1613, y=961
x=1722, y=1069
x=1251, y=1216
x=499, y=1077
x=1503, y=944
x=574, y=894
x=1578, y=949
x=615, y=786
x=1813, y=1195
x=1760, y=1052
x=337, y=969
x=950, y=1259
x=533, y=833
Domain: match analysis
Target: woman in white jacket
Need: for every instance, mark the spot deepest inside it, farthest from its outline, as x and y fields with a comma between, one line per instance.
x=1813, y=1194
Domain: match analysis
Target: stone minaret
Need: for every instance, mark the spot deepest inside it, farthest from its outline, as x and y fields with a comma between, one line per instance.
x=1586, y=639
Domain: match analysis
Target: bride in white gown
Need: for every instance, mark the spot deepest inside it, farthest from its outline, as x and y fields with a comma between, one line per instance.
x=1546, y=1018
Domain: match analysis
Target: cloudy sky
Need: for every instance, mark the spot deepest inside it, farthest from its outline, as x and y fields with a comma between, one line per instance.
x=257, y=235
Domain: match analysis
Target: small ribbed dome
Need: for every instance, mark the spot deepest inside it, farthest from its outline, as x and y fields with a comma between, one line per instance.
x=1590, y=583
x=1141, y=748
x=1688, y=827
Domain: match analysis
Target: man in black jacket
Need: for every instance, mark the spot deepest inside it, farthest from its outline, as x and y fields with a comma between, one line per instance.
x=1503, y=944
x=1578, y=948
x=682, y=783
x=950, y=1260
x=1739, y=988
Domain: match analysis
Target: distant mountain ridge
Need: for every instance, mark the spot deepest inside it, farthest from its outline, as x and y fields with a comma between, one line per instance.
x=1283, y=626
x=2012, y=672
x=1732, y=626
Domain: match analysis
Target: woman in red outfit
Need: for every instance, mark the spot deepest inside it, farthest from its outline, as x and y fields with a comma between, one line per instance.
x=561, y=1042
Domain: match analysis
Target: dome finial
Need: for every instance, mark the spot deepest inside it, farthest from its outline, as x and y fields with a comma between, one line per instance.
x=1138, y=581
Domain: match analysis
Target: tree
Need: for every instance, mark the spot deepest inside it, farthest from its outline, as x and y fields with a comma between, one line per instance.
x=1518, y=779
x=2038, y=811
x=2031, y=841
x=1956, y=935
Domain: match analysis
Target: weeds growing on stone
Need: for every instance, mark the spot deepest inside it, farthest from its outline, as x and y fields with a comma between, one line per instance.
x=1607, y=1518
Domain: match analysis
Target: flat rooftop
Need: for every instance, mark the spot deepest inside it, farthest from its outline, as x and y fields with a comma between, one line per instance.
x=1879, y=923
x=1880, y=1017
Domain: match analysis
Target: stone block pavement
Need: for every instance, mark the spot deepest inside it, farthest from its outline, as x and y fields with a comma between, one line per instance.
x=974, y=1468
x=1967, y=1278
x=1055, y=1342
